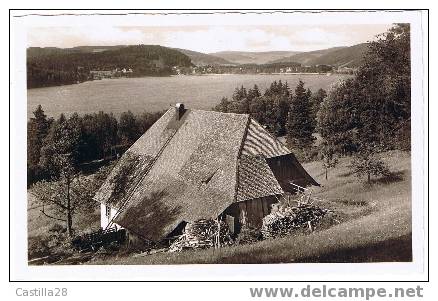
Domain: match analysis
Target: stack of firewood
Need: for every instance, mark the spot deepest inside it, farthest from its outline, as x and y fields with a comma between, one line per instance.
x=201, y=234
x=285, y=220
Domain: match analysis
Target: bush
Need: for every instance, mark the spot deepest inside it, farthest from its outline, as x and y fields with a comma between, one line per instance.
x=37, y=247
x=368, y=163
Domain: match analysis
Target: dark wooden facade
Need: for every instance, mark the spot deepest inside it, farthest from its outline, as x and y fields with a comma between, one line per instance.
x=286, y=170
x=249, y=213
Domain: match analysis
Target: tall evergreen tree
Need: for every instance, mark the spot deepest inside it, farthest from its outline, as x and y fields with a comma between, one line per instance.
x=100, y=131
x=317, y=99
x=257, y=109
x=239, y=94
x=253, y=93
x=37, y=130
x=127, y=132
x=300, y=125
x=337, y=118
x=61, y=146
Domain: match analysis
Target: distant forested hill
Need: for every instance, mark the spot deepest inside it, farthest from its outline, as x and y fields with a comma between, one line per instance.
x=344, y=57
x=56, y=66
x=34, y=52
x=203, y=59
x=337, y=56
x=245, y=57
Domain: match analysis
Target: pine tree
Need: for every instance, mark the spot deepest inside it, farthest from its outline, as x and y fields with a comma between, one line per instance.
x=253, y=93
x=337, y=118
x=239, y=94
x=61, y=146
x=300, y=125
x=127, y=130
x=258, y=109
x=37, y=130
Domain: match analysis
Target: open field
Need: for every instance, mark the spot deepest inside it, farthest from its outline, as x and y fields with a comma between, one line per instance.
x=374, y=225
x=157, y=93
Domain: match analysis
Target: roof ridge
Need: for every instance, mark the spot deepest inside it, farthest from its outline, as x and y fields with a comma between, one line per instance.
x=224, y=113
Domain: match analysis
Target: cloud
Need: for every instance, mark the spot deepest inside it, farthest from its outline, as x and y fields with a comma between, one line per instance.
x=319, y=36
x=210, y=38
x=79, y=36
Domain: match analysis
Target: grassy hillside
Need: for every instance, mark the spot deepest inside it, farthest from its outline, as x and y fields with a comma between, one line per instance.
x=243, y=57
x=374, y=225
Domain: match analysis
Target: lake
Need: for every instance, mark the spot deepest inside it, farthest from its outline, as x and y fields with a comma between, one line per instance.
x=157, y=93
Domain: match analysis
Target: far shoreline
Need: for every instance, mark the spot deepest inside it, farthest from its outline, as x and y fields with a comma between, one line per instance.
x=194, y=75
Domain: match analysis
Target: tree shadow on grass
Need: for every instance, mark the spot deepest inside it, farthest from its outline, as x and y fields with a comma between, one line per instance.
x=391, y=250
x=392, y=177
x=346, y=174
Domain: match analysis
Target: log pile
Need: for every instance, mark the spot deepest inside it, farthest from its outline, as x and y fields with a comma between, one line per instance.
x=248, y=235
x=285, y=220
x=201, y=234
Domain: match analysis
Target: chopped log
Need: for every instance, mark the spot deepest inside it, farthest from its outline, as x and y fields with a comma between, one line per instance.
x=286, y=220
x=201, y=234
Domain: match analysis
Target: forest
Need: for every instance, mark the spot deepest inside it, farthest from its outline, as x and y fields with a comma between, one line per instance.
x=52, y=67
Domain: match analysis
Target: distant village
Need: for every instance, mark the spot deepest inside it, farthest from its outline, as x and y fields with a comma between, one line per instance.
x=262, y=69
x=118, y=72
x=240, y=69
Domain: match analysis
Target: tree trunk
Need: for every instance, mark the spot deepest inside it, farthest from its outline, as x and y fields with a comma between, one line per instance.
x=369, y=178
x=69, y=224
x=69, y=215
x=326, y=173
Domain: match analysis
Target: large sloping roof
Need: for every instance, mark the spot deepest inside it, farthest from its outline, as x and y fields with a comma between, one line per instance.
x=190, y=169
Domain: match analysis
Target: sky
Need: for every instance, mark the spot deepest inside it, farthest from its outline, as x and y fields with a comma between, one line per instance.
x=210, y=38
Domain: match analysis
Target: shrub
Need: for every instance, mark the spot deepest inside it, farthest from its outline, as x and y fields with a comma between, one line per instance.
x=368, y=163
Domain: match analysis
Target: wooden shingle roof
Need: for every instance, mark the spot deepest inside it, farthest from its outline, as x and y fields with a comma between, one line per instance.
x=188, y=169
x=256, y=179
x=259, y=141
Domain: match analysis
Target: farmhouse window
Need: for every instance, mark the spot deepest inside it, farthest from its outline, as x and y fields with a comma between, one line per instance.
x=107, y=211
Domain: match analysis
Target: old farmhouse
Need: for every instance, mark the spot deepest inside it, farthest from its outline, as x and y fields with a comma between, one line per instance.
x=194, y=164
